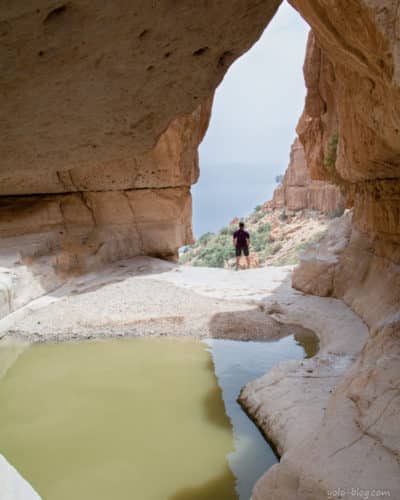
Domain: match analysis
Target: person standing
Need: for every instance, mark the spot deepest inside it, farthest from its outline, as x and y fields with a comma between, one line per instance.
x=241, y=242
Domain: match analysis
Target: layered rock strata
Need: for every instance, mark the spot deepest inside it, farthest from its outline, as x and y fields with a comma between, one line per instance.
x=94, y=214
x=298, y=191
x=104, y=100
x=350, y=133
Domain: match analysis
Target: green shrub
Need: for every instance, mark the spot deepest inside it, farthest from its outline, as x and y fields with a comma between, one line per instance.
x=218, y=250
x=205, y=238
x=229, y=230
x=259, y=241
x=264, y=228
x=256, y=216
x=185, y=258
x=302, y=247
x=266, y=252
x=258, y=208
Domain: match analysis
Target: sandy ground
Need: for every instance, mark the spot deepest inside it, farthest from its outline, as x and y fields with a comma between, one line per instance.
x=145, y=296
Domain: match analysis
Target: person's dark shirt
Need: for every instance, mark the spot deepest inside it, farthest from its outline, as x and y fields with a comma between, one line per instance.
x=241, y=237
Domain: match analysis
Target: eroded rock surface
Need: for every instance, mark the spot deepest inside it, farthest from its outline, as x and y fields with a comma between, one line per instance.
x=105, y=99
x=298, y=191
x=350, y=127
x=89, y=83
x=350, y=133
x=103, y=107
x=95, y=214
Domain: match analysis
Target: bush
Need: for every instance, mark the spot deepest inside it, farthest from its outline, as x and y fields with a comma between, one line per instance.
x=205, y=238
x=264, y=228
x=229, y=230
x=259, y=241
x=267, y=252
x=279, y=179
x=258, y=208
x=256, y=216
x=185, y=258
x=218, y=250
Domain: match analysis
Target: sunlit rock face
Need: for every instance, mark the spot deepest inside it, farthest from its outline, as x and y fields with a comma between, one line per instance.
x=350, y=129
x=104, y=106
x=89, y=215
x=298, y=191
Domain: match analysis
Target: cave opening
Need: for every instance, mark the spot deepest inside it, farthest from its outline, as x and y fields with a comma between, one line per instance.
x=255, y=110
x=254, y=115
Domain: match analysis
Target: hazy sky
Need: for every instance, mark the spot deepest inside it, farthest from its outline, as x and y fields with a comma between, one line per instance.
x=255, y=112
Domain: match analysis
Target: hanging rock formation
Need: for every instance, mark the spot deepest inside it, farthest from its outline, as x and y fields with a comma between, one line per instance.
x=104, y=106
x=298, y=191
x=89, y=215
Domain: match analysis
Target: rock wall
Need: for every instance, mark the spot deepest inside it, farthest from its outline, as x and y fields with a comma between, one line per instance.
x=350, y=127
x=104, y=106
x=350, y=133
x=298, y=191
x=88, y=215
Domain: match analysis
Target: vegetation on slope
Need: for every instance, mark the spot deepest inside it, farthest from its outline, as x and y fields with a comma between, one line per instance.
x=278, y=237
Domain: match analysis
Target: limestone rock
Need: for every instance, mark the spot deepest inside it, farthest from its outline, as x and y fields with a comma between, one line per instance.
x=103, y=99
x=13, y=485
x=299, y=191
x=350, y=132
x=104, y=104
x=83, y=230
x=350, y=127
x=142, y=206
x=316, y=272
x=89, y=83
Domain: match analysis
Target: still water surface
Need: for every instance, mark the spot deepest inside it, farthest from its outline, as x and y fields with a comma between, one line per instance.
x=145, y=419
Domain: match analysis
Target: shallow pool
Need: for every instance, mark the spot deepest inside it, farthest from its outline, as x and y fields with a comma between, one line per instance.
x=136, y=418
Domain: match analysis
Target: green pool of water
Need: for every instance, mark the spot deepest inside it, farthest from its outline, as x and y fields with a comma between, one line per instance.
x=135, y=419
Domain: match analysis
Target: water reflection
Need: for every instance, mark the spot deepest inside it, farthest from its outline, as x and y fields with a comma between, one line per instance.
x=117, y=419
x=236, y=363
x=149, y=419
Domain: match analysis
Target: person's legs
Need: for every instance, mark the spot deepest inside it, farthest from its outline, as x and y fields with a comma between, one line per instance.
x=247, y=255
x=238, y=253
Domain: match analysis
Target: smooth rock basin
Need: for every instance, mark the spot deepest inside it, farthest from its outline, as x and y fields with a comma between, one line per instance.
x=136, y=418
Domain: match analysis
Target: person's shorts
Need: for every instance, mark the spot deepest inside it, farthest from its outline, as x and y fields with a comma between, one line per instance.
x=239, y=251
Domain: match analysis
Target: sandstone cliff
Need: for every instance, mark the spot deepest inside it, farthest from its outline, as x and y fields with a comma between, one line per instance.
x=298, y=191
x=88, y=215
x=350, y=133
x=110, y=101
